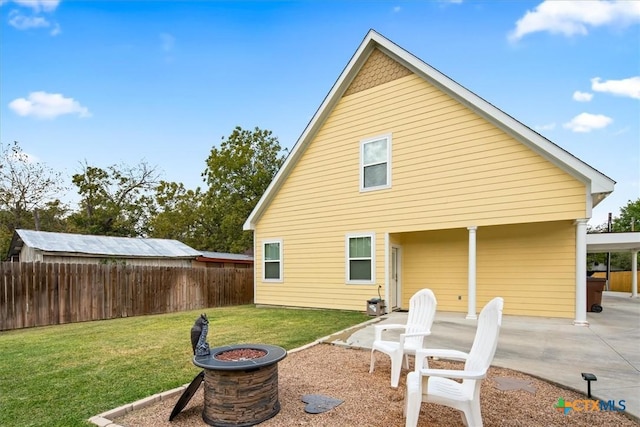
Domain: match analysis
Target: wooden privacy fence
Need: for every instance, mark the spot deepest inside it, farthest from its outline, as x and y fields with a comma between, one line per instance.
x=40, y=294
x=619, y=281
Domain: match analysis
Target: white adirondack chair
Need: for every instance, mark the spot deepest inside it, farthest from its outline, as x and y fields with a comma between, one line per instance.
x=422, y=310
x=435, y=385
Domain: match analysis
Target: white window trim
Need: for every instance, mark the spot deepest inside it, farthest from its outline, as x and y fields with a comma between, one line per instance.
x=264, y=261
x=363, y=142
x=347, y=268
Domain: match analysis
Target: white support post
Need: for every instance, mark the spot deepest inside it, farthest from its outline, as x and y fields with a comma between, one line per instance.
x=581, y=273
x=634, y=274
x=387, y=283
x=471, y=307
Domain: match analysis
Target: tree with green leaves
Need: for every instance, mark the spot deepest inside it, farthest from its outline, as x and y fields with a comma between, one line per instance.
x=29, y=195
x=238, y=172
x=116, y=201
x=628, y=220
x=177, y=214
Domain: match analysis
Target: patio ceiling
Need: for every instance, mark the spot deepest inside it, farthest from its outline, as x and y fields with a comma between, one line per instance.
x=613, y=242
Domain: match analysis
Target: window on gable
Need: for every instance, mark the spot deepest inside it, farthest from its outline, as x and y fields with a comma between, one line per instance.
x=360, y=259
x=375, y=163
x=272, y=261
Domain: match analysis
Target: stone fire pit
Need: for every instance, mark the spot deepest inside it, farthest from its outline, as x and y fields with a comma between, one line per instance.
x=240, y=384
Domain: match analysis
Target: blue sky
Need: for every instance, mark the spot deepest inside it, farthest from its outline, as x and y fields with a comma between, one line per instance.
x=163, y=81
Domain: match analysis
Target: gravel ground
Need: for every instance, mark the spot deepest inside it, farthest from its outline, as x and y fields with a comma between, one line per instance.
x=370, y=401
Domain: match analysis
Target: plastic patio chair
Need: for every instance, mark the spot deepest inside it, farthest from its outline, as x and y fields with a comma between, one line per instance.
x=436, y=385
x=422, y=310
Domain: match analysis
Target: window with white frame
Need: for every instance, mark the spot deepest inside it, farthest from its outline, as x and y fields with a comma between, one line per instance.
x=272, y=261
x=360, y=262
x=375, y=163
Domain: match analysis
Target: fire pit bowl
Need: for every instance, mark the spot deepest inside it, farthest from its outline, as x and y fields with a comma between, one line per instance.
x=240, y=384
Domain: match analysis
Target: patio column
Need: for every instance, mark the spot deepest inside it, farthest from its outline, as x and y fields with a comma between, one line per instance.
x=634, y=273
x=581, y=273
x=471, y=271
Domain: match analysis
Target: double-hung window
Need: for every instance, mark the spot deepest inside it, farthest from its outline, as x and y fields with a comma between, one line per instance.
x=360, y=259
x=272, y=261
x=375, y=163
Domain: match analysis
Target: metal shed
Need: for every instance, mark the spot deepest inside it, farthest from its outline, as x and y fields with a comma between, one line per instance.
x=43, y=246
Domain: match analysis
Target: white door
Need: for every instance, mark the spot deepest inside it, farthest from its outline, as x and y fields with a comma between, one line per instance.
x=394, y=280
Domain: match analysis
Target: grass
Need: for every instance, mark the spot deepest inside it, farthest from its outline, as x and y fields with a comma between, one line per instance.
x=62, y=375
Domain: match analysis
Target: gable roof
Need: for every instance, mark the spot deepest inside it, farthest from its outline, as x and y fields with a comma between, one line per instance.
x=599, y=185
x=79, y=245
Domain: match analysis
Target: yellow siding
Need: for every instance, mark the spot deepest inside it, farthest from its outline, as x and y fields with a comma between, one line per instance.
x=450, y=169
x=436, y=260
x=532, y=266
x=314, y=274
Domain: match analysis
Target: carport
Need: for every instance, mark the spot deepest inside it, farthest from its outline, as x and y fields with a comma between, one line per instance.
x=618, y=242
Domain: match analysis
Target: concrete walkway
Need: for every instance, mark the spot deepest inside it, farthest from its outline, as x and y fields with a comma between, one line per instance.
x=549, y=348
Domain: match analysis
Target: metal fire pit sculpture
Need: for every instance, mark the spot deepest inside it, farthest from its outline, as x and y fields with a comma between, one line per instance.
x=199, y=336
x=200, y=347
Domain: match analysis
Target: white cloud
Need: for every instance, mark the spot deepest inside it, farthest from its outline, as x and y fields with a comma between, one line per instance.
x=39, y=5
x=574, y=17
x=582, y=96
x=36, y=18
x=23, y=22
x=167, y=41
x=55, y=30
x=43, y=105
x=626, y=87
x=548, y=126
x=585, y=122
x=397, y=9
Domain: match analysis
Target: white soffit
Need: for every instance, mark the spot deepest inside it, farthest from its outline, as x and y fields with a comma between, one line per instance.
x=613, y=242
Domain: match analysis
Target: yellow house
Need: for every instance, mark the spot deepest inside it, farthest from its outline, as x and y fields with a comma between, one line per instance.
x=403, y=180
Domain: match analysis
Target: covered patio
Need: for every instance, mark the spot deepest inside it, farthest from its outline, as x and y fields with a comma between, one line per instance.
x=618, y=242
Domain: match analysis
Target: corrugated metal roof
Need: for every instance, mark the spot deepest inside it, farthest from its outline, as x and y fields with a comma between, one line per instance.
x=106, y=245
x=226, y=256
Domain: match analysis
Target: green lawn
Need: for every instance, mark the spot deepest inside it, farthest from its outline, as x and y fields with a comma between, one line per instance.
x=62, y=375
